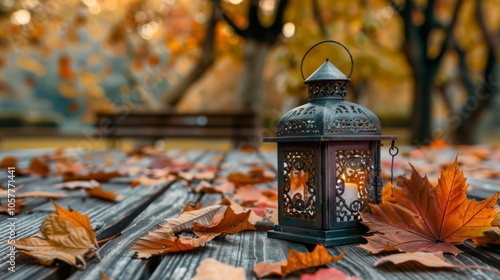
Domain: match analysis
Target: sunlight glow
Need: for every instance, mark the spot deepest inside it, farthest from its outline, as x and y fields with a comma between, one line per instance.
x=147, y=31
x=288, y=29
x=267, y=6
x=20, y=17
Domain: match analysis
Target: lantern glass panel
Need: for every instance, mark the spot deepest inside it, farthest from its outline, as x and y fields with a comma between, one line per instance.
x=299, y=184
x=354, y=183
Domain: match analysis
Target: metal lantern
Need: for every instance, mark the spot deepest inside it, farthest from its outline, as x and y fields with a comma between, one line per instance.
x=328, y=162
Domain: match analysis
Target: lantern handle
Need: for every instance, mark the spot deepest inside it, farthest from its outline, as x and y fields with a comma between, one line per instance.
x=327, y=41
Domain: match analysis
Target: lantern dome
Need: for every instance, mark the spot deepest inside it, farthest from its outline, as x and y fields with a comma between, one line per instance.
x=328, y=113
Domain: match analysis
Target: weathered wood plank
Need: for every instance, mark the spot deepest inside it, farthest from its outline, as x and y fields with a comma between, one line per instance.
x=116, y=256
x=108, y=218
x=243, y=249
x=358, y=262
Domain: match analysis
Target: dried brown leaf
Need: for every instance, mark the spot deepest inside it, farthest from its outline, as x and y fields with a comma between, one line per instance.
x=296, y=261
x=99, y=192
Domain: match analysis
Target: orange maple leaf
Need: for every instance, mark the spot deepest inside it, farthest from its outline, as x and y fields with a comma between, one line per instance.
x=422, y=217
x=76, y=219
x=229, y=223
x=296, y=261
x=99, y=192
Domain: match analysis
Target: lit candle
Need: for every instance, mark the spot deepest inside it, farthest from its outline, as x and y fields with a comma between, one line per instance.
x=350, y=193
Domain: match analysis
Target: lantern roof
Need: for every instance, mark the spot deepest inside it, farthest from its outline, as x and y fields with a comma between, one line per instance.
x=328, y=114
x=327, y=72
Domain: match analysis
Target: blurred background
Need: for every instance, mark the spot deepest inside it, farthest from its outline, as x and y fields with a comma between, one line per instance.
x=428, y=69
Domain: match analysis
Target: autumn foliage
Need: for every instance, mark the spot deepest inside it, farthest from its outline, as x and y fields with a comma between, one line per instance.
x=416, y=216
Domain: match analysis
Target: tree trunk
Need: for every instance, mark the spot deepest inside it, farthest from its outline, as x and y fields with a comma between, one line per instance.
x=250, y=91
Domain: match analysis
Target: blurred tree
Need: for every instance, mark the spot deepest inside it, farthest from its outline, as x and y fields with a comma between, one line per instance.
x=430, y=34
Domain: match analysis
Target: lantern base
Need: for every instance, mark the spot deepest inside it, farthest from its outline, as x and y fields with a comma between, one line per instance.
x=314, y=236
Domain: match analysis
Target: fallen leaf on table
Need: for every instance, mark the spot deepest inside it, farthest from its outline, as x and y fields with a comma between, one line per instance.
x=64, y=235
x=9, y=161
x=206, y=187
x=68, y=165
x=434, y=259
x=42, y=194
x=211, y=269
x=100, y=176
x=190, y=207
x=270, y=194
x=237, y=208
x=169, y=164
x=254, y=176
x=71, y=185
x=328, y=274
x=491, y=235
x=296, y=261
x=99, y=192
x=228, y=223
x=426, y=217
x=159, y=242
x=38, y=167
x=192, y=175
x=147, y=181
x=248, y=193
x=185, y=221
x=76, y=218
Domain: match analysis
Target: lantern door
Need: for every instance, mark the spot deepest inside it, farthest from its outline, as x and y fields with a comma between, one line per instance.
x=299, y=181
x=350, y=180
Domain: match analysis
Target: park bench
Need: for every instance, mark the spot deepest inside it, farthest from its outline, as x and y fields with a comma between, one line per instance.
x=238, y=126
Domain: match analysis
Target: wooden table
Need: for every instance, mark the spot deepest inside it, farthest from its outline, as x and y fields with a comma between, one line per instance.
x=144, y=207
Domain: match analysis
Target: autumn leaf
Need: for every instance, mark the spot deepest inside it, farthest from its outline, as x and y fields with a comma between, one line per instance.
x=42, y=194
x=192, y=175
x=254, y=176
x=147, y=181
x=63, y=237
x=99, y=192
x=237, y=208
x=9, y=161
x=185, y=221
x=211, y=269
x=38, y=167
x=100, y=176
x=420, y=217
x=190, y=206
x=491, y=235
x=206, y=187
x=229, y=223
x=71, y=185
x=434, y=259
x=159, y=242
x=76, y=219
x=328, y=274
x=297, y=261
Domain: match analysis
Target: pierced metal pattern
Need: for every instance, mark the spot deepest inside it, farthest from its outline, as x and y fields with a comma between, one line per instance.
x=299, y=188
x=295, y=127
x=351, y=118
x=327, y=89
x=353, y=167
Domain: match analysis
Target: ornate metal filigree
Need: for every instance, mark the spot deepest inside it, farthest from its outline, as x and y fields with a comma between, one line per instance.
x=327, y=89
x=299, y=188
x=354, y=166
